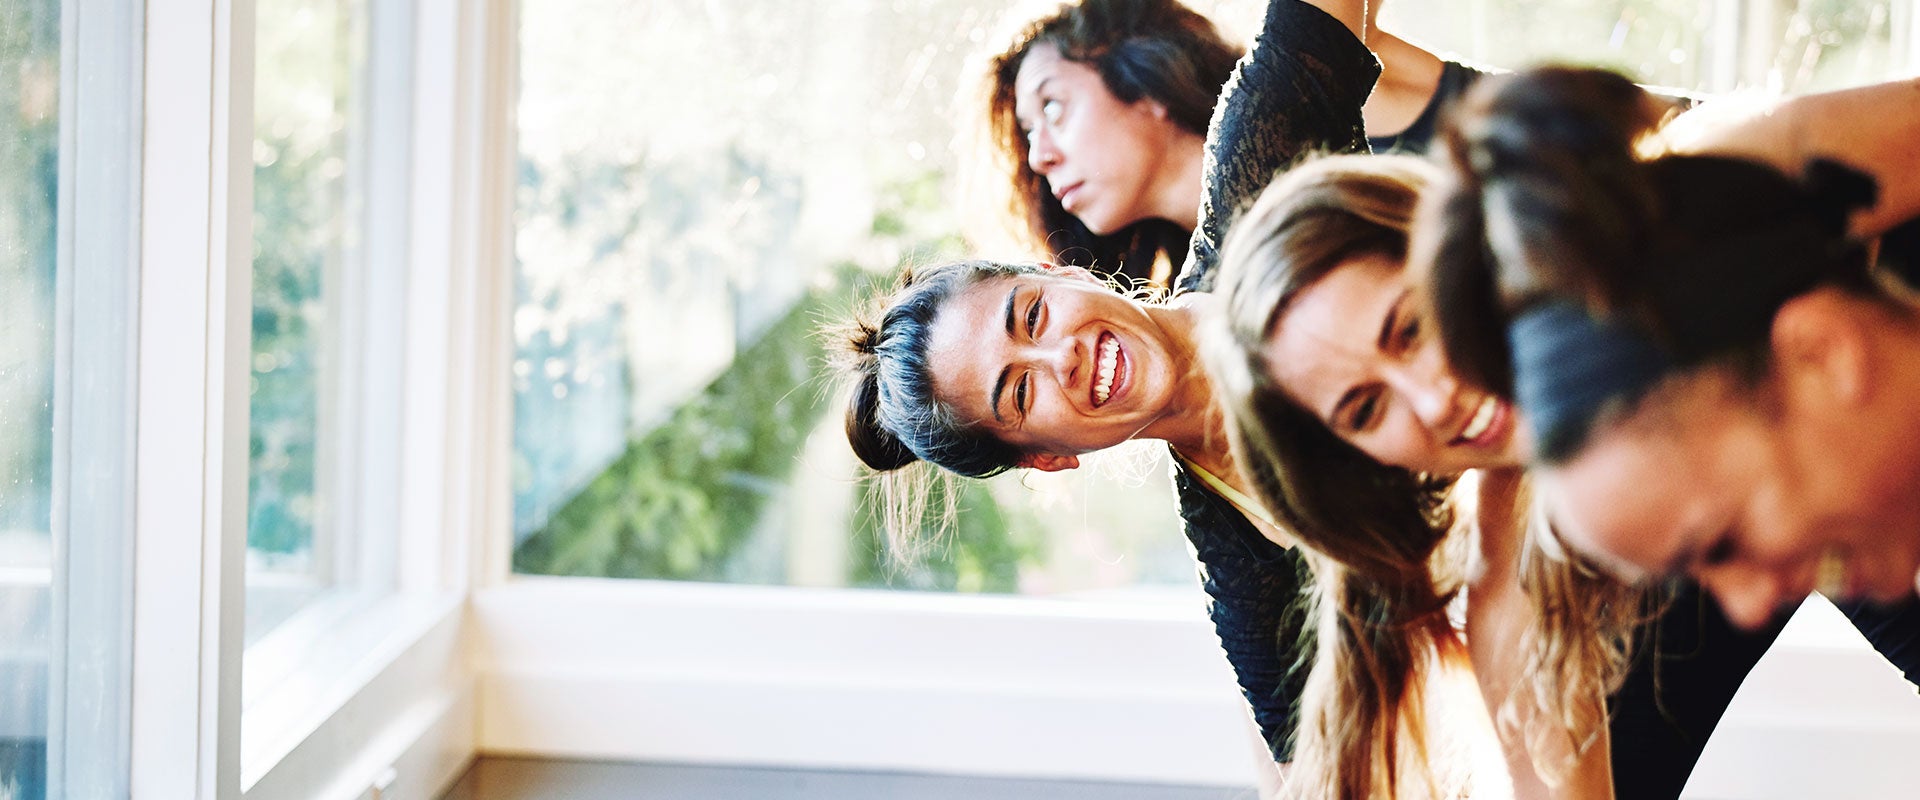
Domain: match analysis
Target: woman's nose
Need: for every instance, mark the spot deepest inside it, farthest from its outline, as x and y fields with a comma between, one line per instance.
x=1431, y=393
x=1042, y=155
x=1750, y=598
x=1059, y=355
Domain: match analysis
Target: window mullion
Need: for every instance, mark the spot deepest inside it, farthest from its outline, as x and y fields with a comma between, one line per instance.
x=191, y=464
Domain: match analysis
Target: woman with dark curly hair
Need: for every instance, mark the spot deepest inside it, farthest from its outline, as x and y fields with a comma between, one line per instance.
x=1098, y=113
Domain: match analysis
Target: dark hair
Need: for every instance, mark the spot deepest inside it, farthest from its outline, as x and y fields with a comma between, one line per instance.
x=1549, y=204
x=893, y=418
x=1156, y=49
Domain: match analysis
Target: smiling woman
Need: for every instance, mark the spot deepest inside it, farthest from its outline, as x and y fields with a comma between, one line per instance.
x=1079, y=369
x=979, y=367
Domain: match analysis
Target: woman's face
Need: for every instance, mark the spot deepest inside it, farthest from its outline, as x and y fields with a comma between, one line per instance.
x=1101, y=157
x=1760, y=495
x=1055, y=366
x=1355, y=349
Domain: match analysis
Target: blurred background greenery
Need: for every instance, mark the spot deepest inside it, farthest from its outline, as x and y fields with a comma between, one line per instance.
x=702, y=184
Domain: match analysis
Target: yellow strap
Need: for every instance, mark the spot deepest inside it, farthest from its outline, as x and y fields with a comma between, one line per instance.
x=1239, y=499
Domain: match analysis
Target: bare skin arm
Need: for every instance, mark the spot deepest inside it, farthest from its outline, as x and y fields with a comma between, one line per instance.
x=1874, y=128
x=1409, y=76
x=1498, y=613
x=1351, y=13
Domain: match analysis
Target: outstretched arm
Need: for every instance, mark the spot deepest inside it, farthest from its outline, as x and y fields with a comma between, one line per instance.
x=1499, y=612
x=1298, y=90
x=1408, y=79
x=1874, y=128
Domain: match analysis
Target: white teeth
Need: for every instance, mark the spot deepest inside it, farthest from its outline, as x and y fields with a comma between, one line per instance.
x=1481, y=419
x=1109, y=362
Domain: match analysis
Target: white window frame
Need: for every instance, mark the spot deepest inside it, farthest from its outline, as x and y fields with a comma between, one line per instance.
x=373, y=703
x=395, y=701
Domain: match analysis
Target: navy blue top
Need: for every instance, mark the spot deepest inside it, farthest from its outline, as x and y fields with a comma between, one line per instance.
x=1455, y=78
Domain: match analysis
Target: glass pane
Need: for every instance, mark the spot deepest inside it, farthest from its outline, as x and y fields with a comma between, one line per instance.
x=1777, y=45
x=29, y=180
x=307, y=98
x=701, y=185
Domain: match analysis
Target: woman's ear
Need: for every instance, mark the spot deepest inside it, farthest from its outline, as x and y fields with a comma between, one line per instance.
x=1820, y=349
x=1048, y=462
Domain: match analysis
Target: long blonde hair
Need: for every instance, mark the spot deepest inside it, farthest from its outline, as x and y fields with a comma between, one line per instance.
x=1382, y=532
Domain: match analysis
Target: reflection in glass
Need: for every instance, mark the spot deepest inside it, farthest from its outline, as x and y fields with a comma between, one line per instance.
x=307, y=96
x=29, y=181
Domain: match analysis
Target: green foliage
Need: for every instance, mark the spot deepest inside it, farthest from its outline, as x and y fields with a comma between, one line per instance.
x=683, y=497
x=983, y=552
x=683, y=501
x=293, y=212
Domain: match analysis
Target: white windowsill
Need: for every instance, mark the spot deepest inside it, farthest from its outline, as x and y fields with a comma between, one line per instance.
x=322, y=663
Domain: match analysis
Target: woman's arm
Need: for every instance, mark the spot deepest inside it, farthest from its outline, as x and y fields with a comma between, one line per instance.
x=1874, y=128
x=1409, y=77
x=1357, y=15
x=1408, y=80
x=1253, y=591
x=1498, y=615
x=1299, y=89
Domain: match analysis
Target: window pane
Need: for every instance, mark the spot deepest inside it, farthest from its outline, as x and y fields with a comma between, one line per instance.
x=29, y=179
x=307, y=98
x=1778, y=45
x=702, y=184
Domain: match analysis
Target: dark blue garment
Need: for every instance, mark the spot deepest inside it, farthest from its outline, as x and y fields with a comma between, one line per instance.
x=1455, y=77
x=1297, y=90
x=1255, y=588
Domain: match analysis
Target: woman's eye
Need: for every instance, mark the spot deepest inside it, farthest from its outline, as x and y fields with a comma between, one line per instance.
x=1033, y=318
x=1051, y=110
x=1410, y=329
x=1020, y=392
x=1364, y=413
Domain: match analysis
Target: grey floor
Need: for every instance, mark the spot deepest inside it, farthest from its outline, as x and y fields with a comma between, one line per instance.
x=527, y=779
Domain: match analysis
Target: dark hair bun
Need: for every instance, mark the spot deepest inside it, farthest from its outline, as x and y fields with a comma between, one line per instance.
x=876, y=447
x=1839, y=190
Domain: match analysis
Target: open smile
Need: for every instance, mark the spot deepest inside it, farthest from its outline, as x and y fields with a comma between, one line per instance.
x=1110, y=374
x=1487, y=426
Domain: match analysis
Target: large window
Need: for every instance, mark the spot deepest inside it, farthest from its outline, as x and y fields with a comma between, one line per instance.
x=701, y=186
x=1710, y=46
